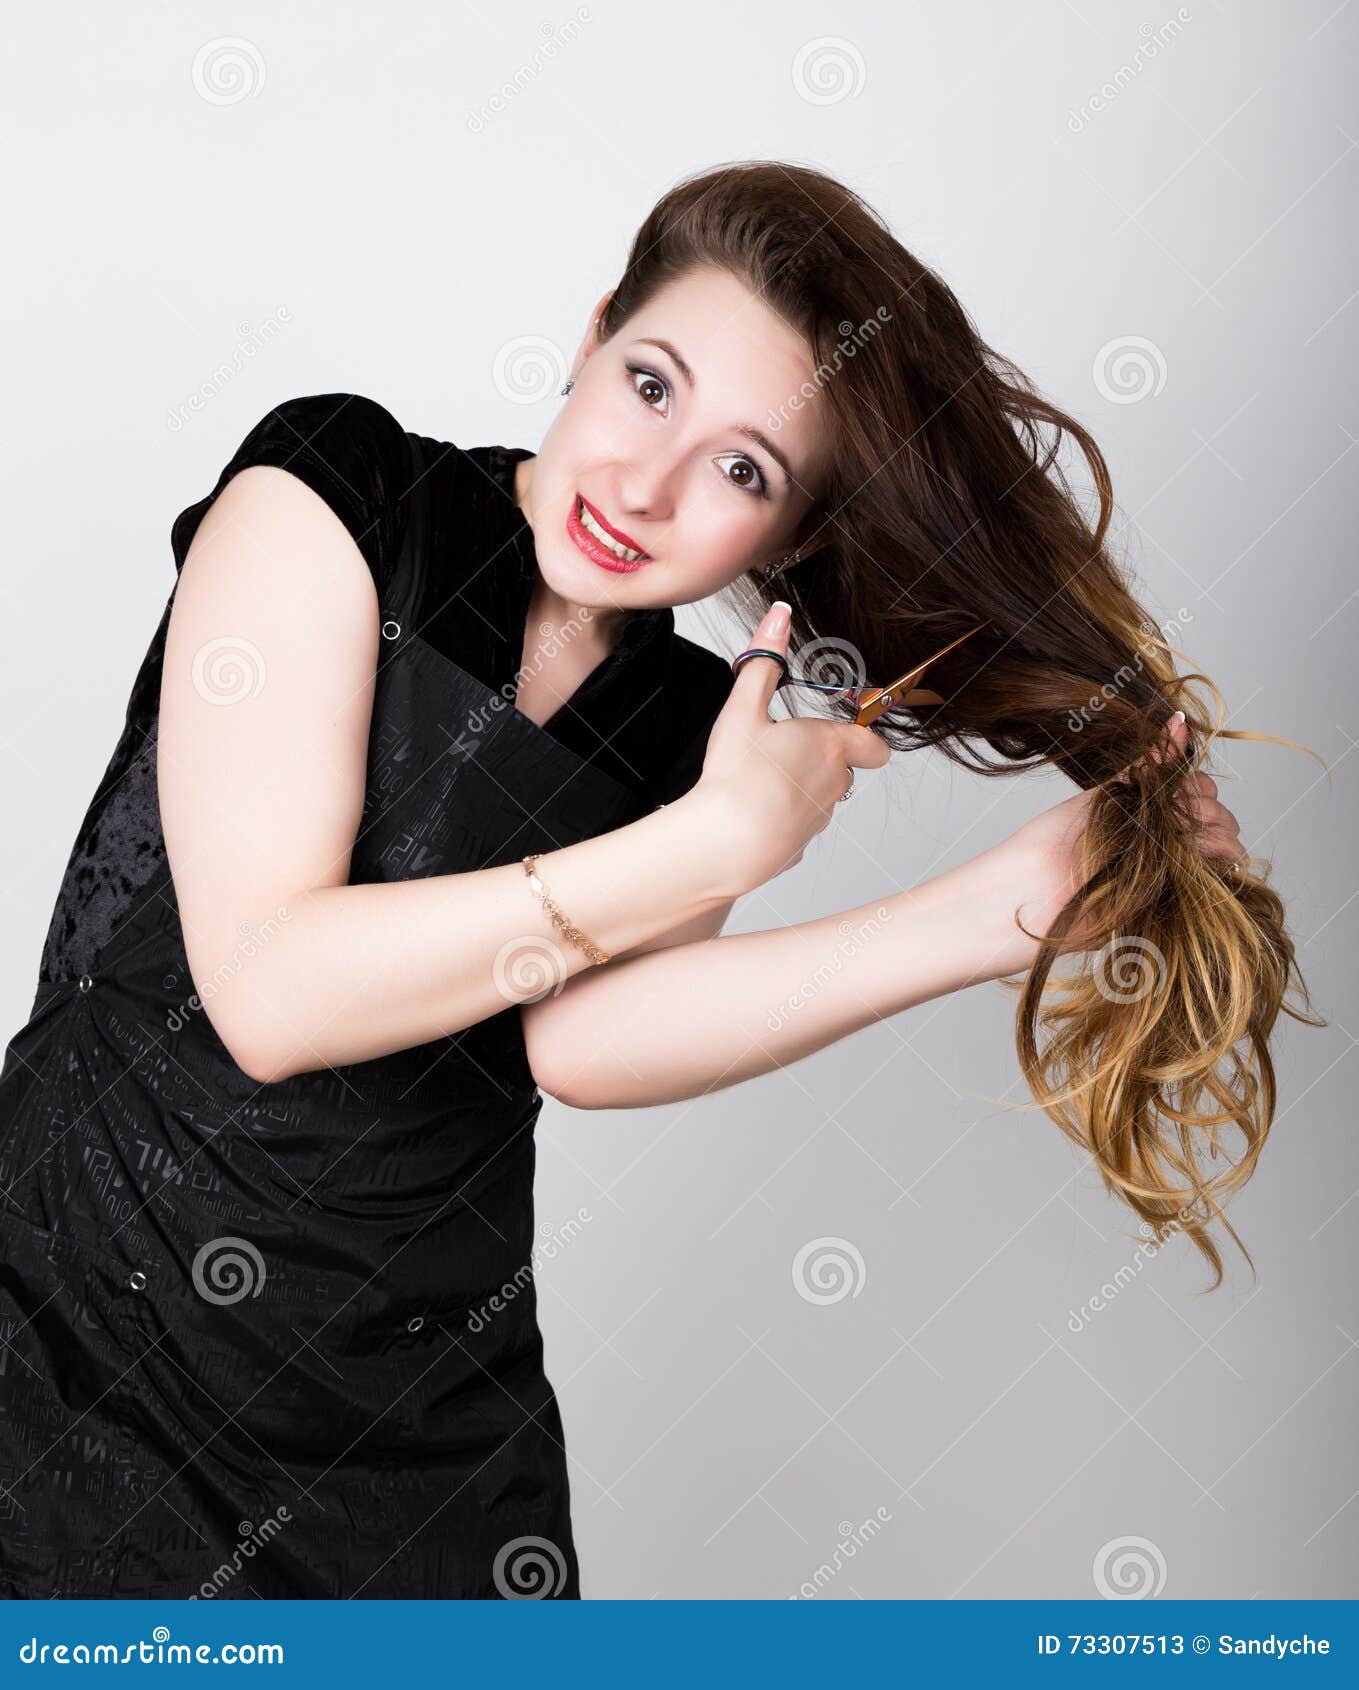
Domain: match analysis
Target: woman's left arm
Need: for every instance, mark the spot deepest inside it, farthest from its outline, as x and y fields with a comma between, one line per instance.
x=681, y=1019
x=690, y=1014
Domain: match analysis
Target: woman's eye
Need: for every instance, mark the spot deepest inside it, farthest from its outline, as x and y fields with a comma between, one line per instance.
x=652, y=381
x=754, y=482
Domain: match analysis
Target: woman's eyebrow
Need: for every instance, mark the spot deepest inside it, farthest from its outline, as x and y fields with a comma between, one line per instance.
x=751, y=433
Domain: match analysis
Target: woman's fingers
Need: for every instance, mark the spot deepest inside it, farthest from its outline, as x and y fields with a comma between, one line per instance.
x=1226, y=846
x=1218, y=832
x=757, y=680
x=863, y=748
x=1177, y=732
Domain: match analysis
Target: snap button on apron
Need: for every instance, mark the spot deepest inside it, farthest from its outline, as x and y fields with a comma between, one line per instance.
x=390, y=628
x=415, y=1322
x=86, y=981
x=137, y=1280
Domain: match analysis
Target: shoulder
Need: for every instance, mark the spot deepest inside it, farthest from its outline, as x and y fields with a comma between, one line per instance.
x=348, y=448
x=349, y=438
x=336, y=416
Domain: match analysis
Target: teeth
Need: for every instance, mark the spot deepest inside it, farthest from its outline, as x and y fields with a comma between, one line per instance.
x=625, y=552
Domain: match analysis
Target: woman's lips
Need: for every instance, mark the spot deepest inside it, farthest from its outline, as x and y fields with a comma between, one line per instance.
x=598, y=517
x=595, y=549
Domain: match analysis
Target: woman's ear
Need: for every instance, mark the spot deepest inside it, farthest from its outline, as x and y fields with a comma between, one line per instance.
x=591, y=338
x=809, y=537
x=589, y=341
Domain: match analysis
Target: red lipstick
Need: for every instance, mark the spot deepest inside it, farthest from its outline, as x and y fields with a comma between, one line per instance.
x=594, y=548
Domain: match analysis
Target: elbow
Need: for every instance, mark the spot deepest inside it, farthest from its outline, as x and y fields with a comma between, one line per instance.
x=257, y=1062
x=543, y=1055
x=563, y=1088
x=550, y=1062
x=259, y=1059
x=577, y=1085
x=599, y=1078
x=261, y=1068
x=251, y=1034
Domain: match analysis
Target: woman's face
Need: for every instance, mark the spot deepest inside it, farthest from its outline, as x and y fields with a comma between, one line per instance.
x=704, y=453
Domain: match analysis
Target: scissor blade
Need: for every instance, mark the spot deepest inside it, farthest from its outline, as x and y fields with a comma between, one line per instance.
x=889, y=700
x=904, y=689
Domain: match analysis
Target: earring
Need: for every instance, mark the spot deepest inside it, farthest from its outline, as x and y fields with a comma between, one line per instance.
x=771, y=569
x=570, y=383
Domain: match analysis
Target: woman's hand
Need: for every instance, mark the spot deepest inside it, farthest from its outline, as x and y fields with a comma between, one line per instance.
x=773, y=785
x=1039, y=865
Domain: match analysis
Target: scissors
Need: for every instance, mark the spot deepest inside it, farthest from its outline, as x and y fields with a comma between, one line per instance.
x=870, y=702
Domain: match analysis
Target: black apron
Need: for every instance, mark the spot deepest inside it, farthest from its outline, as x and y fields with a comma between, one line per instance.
x=281, y=1340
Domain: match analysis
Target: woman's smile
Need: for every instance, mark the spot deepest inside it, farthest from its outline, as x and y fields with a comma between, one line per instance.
x=600, y=541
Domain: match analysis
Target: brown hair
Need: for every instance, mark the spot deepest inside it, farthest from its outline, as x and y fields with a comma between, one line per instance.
x=943, y=506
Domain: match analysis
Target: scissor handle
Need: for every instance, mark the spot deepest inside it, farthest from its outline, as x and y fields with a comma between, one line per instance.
x=872, y=702
x=761, y=651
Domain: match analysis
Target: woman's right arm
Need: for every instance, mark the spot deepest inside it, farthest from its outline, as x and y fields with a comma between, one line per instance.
x=261, y=798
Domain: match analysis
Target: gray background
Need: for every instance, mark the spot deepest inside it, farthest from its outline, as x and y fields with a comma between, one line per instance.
x=331, y=221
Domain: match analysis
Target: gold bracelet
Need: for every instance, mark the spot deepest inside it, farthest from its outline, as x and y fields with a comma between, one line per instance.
x=559, y=920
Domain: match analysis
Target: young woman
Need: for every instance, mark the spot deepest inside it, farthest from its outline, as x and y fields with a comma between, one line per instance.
x=422, y=808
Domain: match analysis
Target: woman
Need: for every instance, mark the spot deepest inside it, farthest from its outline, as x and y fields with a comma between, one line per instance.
x=422, y=805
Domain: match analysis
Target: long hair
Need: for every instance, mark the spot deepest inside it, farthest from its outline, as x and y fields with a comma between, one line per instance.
x=945, y=504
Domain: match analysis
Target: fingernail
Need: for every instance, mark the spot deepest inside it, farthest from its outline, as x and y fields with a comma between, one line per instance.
x=778, y=617
x=1177, y=717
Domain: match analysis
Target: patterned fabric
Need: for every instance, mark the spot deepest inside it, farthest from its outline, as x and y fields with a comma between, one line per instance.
x=248, y=1346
